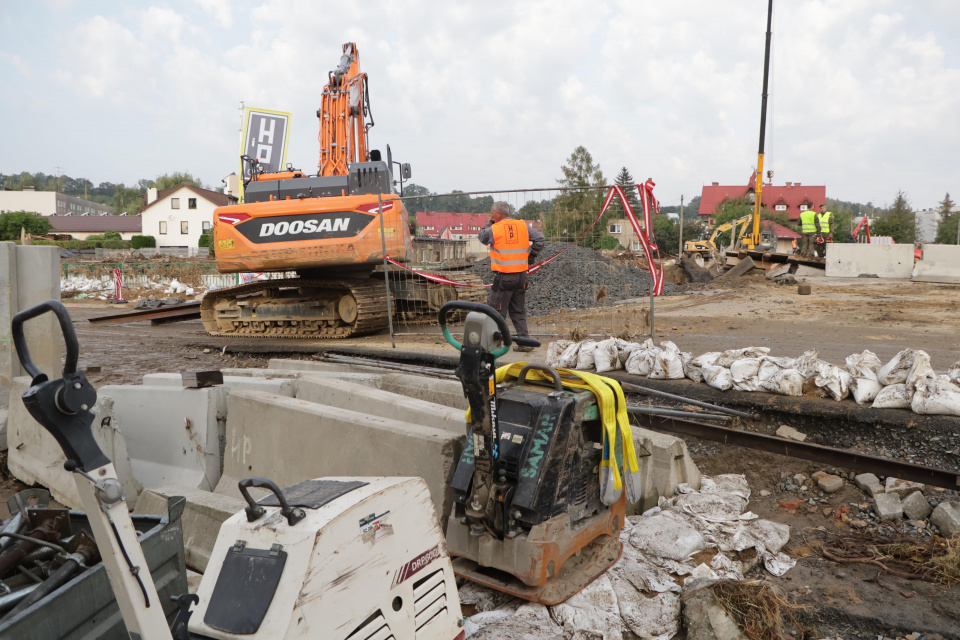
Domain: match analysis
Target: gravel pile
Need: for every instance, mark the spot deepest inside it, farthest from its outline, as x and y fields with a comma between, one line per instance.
x=577, y=278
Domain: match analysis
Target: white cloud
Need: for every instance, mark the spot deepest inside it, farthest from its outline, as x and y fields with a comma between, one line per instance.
x=219, y=9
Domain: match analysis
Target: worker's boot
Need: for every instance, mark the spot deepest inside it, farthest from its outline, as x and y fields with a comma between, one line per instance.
x=522, y=349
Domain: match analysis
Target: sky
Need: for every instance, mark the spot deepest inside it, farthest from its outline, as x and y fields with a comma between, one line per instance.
x=483, y=96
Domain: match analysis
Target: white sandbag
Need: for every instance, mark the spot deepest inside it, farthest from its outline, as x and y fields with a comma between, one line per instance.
x=730, y=356
x=710, y=358
x=717, y=377
x=641, y=361
x=694, y=373
x=627, y=348
x=606, y=356
x=767, y=370
x=554, y=350
x=835, y=381
x=920, y=370
x=894, y=396
x=667, y=365
x=863, y=365
x=745, y=369
x=786, y=382
x=954, y=372
x=593, y=612
x=568, y=360
x=666, y=535
x=750, y=384
x=936, y=396
x=585, y=355
x=865, y=390
x=807, y=363
x=895, y=371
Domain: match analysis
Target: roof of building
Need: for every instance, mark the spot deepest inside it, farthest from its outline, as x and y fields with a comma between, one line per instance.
x=95, y=224
x=791, y=194
x=442, y=221
x=779, y=230
x=217, y=198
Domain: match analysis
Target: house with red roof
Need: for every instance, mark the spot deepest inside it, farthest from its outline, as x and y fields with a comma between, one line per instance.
x=450, y=225
x=790, y=198
x=786, y=239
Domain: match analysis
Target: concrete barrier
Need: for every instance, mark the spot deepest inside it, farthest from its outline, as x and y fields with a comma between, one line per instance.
x=289, y=364
x=940, y=263
x=849, y=260
x=668, y=466
x=171, y=433
x=36, y=458
x=28, y=275
x=202, y=516
x=290, y=441
x=377, y=402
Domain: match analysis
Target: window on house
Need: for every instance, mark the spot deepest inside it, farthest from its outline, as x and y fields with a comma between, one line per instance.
x=635, y=245
x=206, y=226
x=804, y=207
x=174, y=203
x=184, y=227
x=616, y=228
x=163, y=228
x=191, y=203
x=780, y=207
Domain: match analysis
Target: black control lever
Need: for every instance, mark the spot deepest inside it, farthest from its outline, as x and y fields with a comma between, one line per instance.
x=179, y=627
x=61, y=406
x=255, y=511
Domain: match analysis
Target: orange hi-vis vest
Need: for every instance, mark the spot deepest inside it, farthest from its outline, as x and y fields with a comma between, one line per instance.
x=511, y=246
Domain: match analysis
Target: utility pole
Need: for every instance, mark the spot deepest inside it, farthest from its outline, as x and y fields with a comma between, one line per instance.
x=681, y=225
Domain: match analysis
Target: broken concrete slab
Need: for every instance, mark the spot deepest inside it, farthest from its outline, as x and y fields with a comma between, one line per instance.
x=202, y=516
x=864, y=480
x=829, y=483
x=887, y=506
x=739, y=269
x=290, y=440
x=667, y=467
x=705, y=619
x=36, y=458
x=803, y=271
x=915, y=506
x=902, y=487
x=350, y=395
x=947, y=517
x=849, y=260
x=776, y=272
x=171, y=433
x=789, y=432
x=695, y=272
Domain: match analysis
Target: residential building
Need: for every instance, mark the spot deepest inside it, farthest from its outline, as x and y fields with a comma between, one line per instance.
x=178, y=216
x=453, y=226
x=50, y=203
x=622, y=230
x=82, y=227
x=791, y=198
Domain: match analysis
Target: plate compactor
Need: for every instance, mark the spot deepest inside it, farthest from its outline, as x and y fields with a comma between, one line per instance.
x=331, y=559
x=528, y=517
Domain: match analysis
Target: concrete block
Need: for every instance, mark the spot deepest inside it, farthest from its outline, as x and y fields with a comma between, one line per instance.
x=789, y=432
x=357, y=397
x=776, y=272
x=829, y=483
x=668, y=465
x=445, y=392
x=171, y=433
x=290, y=374
x=849, y=260
x=705, y=619
x=289, y=364
x=864, y=480
x=202, y=516
x=940, y=263
x=290, y=440
x=915, y=506
x=803, y=271
x=902, y=488
x=742, y=267
x=887, y=506
x=36, y=458
x=947, y=517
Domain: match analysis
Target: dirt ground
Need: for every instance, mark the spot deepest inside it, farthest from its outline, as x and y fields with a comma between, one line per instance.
x=842, y=316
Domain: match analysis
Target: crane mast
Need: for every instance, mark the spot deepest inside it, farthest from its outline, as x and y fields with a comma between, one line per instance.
x=344, y=115
x=755, y=235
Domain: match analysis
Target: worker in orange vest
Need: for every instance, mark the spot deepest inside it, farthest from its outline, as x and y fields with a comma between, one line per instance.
x=513, y=247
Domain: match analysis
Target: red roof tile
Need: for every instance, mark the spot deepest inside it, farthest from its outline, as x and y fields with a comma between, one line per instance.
x=778, y=229
x=792, y=196
x=94, y=224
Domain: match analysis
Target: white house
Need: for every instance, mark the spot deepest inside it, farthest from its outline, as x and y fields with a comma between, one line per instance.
x=178, y=216
x=50, y=203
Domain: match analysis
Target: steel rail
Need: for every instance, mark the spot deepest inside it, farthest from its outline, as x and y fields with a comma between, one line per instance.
x=635, y=388
x=184, y=311
x=943, y=478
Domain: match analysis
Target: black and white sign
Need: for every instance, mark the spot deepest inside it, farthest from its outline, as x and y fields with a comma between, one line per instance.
x=307, y=226
x=265, y=138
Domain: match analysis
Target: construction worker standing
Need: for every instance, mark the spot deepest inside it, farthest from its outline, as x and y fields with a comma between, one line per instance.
x=513, y=247
x=808, y=231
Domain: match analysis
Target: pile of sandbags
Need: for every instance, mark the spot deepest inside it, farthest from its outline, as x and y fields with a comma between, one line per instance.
x=908, y=381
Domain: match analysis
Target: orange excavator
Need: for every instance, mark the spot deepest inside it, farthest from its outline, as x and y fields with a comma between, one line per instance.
x=332, y=229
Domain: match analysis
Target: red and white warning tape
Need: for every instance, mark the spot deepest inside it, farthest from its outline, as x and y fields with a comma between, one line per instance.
x=118, y=284
x=650, y=207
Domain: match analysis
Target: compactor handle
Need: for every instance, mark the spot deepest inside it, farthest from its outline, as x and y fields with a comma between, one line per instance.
x=557, y=384
x=489, y=311
x=255, y=511
x=66, y=326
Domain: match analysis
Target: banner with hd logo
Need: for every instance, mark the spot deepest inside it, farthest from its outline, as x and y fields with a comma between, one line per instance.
x=265, y=135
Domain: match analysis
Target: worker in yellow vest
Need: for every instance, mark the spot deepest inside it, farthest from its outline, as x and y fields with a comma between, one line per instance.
x=824, y=220
x=808, y=231
x=513, y=247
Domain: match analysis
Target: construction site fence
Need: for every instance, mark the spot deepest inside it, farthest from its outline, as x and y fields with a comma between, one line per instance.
x=172, y=252
x=142, y=274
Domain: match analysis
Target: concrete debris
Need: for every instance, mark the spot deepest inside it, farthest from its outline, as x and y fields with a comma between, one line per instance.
x=789, y=432
x=574, y=278
x=705, y=619
x=641, y=594
x=902, y=488
x=868, y=483
x=947, y=517
x=744, y=266
x=804, y=289
x=695, y=272
x=828, y=483
x=887, y=506
x=915, y=506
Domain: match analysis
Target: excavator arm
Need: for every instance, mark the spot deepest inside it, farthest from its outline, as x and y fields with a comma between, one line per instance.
x=345, y=116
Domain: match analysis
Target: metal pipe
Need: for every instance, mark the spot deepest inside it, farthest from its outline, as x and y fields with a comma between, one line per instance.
x=386, y=269
x=12, y=599
x=673, y=413
x=34, y=540
x=51, y=584
x=384, y=364
x=13, y=525
x=635, y=388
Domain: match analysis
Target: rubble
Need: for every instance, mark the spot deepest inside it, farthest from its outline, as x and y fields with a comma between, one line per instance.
x=789, y=432
x=887, y=506
x=915, y=506
x=828, y=483
x=947, y=518
x=901, y=487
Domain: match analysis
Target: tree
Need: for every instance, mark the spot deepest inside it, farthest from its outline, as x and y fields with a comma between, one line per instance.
x=174, y=179
x=577, y=206
x=532, y=210
x=12, y=221
x=898, y=222
x=738, y=208
x=127, y=200
x=948, y=228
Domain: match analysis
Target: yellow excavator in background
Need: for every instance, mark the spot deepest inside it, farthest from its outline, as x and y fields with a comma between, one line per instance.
x=705, y=251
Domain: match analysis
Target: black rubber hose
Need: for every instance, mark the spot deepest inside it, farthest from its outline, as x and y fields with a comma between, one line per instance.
x=51, y=584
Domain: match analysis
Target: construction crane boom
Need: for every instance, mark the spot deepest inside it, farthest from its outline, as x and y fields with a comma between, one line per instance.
x=755, y=236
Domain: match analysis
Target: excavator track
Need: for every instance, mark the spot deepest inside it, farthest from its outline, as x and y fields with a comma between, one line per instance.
x=370, y=310
x=417, y=315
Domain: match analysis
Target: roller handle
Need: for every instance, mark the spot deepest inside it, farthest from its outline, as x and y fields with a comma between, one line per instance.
x=66, y=327
x=255, y=511
x=557, y=384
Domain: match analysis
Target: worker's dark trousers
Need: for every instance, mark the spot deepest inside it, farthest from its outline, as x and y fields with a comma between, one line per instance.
x=807, y=244
x=507, y=295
